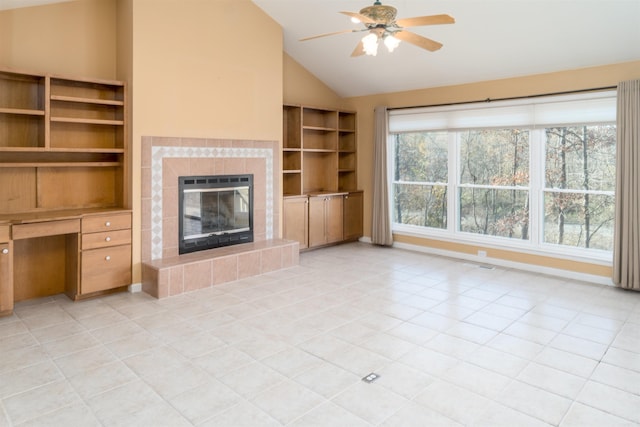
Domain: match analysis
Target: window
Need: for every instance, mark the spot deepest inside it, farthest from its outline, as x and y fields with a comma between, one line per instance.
x=420, y=176
x=536, y=173
x=494, y=182
x=579, y=188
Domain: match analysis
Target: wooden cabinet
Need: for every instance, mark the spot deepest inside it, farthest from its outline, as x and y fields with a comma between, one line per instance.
x=319, y=161
x=325, y=219
x=6, y=271
x=106, y=252
x=296, y=220
x=319, y=150
x=63, y=143
x=352, y=220
x=63, y=160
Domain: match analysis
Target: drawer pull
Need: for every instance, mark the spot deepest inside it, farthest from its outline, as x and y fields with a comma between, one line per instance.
x=108, y=258
x=107, y=239
x=107, y=224
x=5, y=251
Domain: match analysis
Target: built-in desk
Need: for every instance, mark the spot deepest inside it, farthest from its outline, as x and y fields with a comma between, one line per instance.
x=81, y=253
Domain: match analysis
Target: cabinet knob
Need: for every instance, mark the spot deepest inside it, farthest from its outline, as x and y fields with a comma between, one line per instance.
x=107, y=224
x=5, y=251
x=107, y=239
x=107, y=258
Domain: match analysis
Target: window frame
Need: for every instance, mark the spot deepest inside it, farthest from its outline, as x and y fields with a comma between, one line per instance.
x=535, y=245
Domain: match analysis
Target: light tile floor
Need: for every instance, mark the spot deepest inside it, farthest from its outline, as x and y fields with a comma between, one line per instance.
x=453, y=343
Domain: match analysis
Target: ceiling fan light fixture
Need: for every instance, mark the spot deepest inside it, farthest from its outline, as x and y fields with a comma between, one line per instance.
x=370, y=44
x=391, y=42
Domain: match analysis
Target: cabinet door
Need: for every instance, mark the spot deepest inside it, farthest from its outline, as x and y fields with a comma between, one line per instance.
x=353, y=216
x=333, y=219
x=317, y=233
x=295, y=220
x=6, y=279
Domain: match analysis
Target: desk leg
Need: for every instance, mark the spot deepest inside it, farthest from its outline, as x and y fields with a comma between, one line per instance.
x=6, y=278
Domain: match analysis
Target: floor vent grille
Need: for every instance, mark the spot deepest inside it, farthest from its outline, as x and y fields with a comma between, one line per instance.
x=371, y=378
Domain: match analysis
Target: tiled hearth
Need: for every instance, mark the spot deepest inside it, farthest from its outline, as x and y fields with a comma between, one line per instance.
x=164, y=159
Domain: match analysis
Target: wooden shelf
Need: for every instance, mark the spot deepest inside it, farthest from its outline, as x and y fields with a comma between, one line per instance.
x=63, y=143
x=318, y=150
x=59, y=164
x=87, y=121
x=22, y=111
x=65, y=98
x=87, y=150
x=319, y=128
x=28, y=150
x=22, y=150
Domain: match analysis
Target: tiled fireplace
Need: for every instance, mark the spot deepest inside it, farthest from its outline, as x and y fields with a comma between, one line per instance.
x=164, y=159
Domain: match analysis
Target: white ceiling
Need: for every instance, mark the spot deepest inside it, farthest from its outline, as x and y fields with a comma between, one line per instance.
x=491, y=39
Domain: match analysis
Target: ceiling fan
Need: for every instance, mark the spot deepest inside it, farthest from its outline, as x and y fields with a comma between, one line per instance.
x=381, y=24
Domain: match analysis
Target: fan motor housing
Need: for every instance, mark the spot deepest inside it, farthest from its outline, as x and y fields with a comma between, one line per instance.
x=382, y=14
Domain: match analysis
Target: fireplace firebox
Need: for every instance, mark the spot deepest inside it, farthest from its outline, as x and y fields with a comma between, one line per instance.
x=214, y=211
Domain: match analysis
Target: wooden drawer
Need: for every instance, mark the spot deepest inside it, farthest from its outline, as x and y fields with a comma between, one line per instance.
x=105, y=239
x=45, y=228
x=105, y=268
x=5, y=233
x=106, y=222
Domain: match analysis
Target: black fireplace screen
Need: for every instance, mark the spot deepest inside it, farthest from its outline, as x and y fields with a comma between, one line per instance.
x=215, y=211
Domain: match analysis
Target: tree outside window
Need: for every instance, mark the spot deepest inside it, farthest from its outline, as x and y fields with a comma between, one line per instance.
x=420, y=179
x=494, y=182
x=579, y=186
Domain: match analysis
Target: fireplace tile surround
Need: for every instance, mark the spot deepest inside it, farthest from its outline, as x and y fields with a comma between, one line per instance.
x=164, y=159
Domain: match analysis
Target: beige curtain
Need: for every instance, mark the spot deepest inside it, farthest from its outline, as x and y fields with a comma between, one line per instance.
x=626, y=249
x=381, y=222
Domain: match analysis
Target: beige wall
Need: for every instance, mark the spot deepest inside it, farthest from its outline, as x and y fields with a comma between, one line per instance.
x=194, y=68
x=184, y=82
x=76, y=38
x=303, y=88
x=206, y=69
x=523, y=86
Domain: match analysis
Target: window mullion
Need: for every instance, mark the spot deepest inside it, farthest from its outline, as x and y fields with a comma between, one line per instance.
x=452, y=192
x=536, y=181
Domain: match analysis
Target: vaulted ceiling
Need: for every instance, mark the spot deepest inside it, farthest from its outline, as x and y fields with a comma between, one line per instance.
x=491, y=39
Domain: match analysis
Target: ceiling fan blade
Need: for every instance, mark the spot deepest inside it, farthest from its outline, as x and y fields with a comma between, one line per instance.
x=359, y=50
x=328, y=34
x=359, y=17
x=417, y=40
x=425, y=20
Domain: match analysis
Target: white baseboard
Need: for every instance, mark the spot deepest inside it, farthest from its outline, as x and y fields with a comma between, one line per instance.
x=134, y=288
x=566, y=274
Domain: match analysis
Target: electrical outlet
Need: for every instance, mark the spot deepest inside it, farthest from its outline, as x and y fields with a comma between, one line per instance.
x=482, y=253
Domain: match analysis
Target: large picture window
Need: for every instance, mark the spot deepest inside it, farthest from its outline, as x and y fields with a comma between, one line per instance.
x=536, y=173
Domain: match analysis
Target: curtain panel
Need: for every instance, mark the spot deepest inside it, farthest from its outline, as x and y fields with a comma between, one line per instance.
x=381, y=221
x=626, y=250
